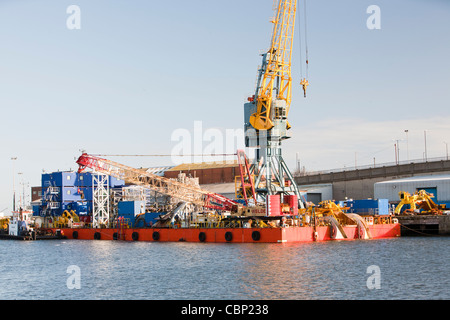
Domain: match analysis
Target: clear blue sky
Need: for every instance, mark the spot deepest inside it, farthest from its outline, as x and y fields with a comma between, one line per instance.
x=138, y=70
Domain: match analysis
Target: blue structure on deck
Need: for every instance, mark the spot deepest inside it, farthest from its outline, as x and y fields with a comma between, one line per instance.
x=134, y=213
x=68, y=190
x=368, y=206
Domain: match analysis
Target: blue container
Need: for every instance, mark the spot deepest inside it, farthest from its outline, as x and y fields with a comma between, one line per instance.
x=151, y=216
x=75, y=179
x=369, y=206
x=85, y=193
x=36, y=210
x=131, y=208
x=150, y=219
x=70, y=194
x=82, y=208
x=67, y=206
x=447, y=204
x=114, y=182
x=83, y=179
x=383, y=206
x=58, y=179
x=87, y=206
x=130, y=218
x=57, y=211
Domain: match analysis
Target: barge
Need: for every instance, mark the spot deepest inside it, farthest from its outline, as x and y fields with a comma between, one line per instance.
x=202, y=216
x=301, y=228
x=234, y=235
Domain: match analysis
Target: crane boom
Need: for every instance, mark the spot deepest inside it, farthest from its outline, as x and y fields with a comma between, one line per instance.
x=275, y=81
x=156, y=183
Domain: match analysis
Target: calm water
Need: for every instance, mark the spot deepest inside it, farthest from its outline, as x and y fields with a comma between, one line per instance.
x=410, y=268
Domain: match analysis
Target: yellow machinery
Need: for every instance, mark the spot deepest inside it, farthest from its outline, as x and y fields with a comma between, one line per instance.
x=419, y=203
x=4, y=223
x=330, y=209
x=329, y=213
x=65, y=219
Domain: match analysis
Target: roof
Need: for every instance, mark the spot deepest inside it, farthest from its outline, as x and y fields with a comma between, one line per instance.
x=418, y=179
x=205, y=165
x=312, y=187
x=219, y=187
x=158, y=170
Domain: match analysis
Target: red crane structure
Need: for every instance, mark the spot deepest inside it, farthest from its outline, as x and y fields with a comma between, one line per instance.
x=201, y=198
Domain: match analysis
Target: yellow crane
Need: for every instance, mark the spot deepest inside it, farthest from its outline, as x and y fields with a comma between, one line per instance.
x=275, y=81
x=266, y=112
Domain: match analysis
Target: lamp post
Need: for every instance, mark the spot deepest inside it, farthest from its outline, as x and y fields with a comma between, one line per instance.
x=14, y=185
x=446, y=149
x=21, y=206
x=397, y=150
x=425, y=138
x=407, y=144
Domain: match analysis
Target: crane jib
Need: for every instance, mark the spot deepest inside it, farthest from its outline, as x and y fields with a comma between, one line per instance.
x=157, y=183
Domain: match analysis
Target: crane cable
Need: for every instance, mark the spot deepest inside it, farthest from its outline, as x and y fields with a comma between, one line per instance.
x=306, y=43
x=304, y=80
x=165, y=155
x=300, y=39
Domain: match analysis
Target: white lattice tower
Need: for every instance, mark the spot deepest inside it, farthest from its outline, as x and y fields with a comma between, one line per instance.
x=100, y=200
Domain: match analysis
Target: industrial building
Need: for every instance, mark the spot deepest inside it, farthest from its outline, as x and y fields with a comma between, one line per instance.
x=359, y=183
x=437, y=185
x=207, y=172
x=317, y=193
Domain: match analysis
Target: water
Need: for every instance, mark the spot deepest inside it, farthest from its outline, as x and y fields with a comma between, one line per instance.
x=410, y=268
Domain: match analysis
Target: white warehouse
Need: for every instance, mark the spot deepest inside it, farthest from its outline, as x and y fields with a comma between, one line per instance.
x=438, y=185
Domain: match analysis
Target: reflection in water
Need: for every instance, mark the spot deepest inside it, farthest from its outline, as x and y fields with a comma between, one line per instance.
x=195, y=271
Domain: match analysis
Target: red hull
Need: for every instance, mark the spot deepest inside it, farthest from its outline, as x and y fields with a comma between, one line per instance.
x=238, y=235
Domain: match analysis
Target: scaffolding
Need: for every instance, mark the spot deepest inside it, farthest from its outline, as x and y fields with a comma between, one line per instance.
x=100, y=200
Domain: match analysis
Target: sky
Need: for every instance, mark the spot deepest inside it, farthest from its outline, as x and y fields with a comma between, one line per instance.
x=136, y=74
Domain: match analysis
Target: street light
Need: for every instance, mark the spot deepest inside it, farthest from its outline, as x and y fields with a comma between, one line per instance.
x=397, y=150
x=14, y=185
x=425, y=137
x=24, y=196
x=407, y=144
x=396, y=153
x=446, y=148
x=21, y=198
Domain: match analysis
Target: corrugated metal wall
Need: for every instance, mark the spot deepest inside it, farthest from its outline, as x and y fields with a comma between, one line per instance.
x=390, y=189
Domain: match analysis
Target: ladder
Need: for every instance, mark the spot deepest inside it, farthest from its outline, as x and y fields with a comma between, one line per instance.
x=122, y=224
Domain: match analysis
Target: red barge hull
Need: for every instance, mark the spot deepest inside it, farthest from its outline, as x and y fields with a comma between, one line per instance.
x=233, y=235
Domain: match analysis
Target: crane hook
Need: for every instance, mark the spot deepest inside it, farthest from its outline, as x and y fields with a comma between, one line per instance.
x=304, y=84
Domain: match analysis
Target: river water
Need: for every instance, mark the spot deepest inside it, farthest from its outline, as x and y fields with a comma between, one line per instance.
x=401, y=268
